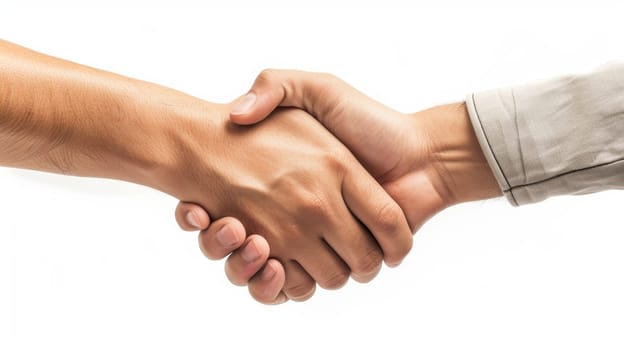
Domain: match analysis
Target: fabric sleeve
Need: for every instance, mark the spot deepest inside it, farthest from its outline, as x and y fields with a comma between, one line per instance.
x=554, y=137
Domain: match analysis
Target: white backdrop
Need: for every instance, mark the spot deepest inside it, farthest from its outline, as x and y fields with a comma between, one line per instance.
x=99, y=264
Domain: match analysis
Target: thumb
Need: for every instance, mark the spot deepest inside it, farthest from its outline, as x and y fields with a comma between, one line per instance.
x=191, y=217
x=368, y=128
x=266, y=94
x=316, y=93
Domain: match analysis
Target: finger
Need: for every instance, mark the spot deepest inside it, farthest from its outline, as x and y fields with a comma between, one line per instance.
x=299, y=286
x=221, y=238
x=324, y=266
x=191, y=217
x=245, y=262
x=286, y=88
x=258, y=103
x=266, y=286
x=379, y=213
x=356, y=246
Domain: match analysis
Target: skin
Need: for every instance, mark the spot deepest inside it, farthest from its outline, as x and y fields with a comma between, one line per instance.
x=287, y=180
x=427, y=161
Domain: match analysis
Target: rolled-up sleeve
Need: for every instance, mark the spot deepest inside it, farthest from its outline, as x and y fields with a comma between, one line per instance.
x=554, y=137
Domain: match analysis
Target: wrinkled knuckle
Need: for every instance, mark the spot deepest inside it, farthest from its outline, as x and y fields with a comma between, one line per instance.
x=266, y=76
x=335, y=279
x=336, y=161
x=369, y=263
x=311, y=204
x=335, y=82
x=389, y=218
x=300, y=291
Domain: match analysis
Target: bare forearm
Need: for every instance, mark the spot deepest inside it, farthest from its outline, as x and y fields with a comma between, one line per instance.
x=62, y=117
x=458, y=160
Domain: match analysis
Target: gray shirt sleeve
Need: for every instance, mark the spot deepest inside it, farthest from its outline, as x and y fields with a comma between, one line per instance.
x=555, y=137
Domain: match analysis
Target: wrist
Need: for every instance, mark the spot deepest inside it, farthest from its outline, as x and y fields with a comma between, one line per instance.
x=178, y=135
x=458, y=161
x=126, y=133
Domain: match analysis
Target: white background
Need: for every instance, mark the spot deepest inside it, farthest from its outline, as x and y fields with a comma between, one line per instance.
x=98, y=264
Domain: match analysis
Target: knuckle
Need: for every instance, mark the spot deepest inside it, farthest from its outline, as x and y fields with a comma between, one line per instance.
x=311, y=204
x=335, y=279
x=333, y=81
x=369, y=263
x=389, y=217
x=390, y=221
x=336, y=161
x=266, y=75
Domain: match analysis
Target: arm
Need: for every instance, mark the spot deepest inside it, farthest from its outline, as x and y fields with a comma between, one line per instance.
x=298, y=190
x=61, y=117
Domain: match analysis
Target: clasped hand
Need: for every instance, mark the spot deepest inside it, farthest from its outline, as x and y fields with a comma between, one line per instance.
x=334, y=220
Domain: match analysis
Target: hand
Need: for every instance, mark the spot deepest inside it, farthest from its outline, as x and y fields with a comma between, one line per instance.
x=426, y=161
x=290, y=181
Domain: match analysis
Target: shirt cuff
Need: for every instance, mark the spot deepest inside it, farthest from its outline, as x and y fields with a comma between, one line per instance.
x=554, y=137
x=490, y=107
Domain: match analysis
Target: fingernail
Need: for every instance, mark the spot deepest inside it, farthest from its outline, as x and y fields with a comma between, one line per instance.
x=281, y=299
x=191, y=219
x=244, y=105
x=268, y=273
x=395, y=264
x=226, y=237
x=250, y=252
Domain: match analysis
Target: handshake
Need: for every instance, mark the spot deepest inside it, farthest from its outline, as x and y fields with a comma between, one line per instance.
x=325, y=185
